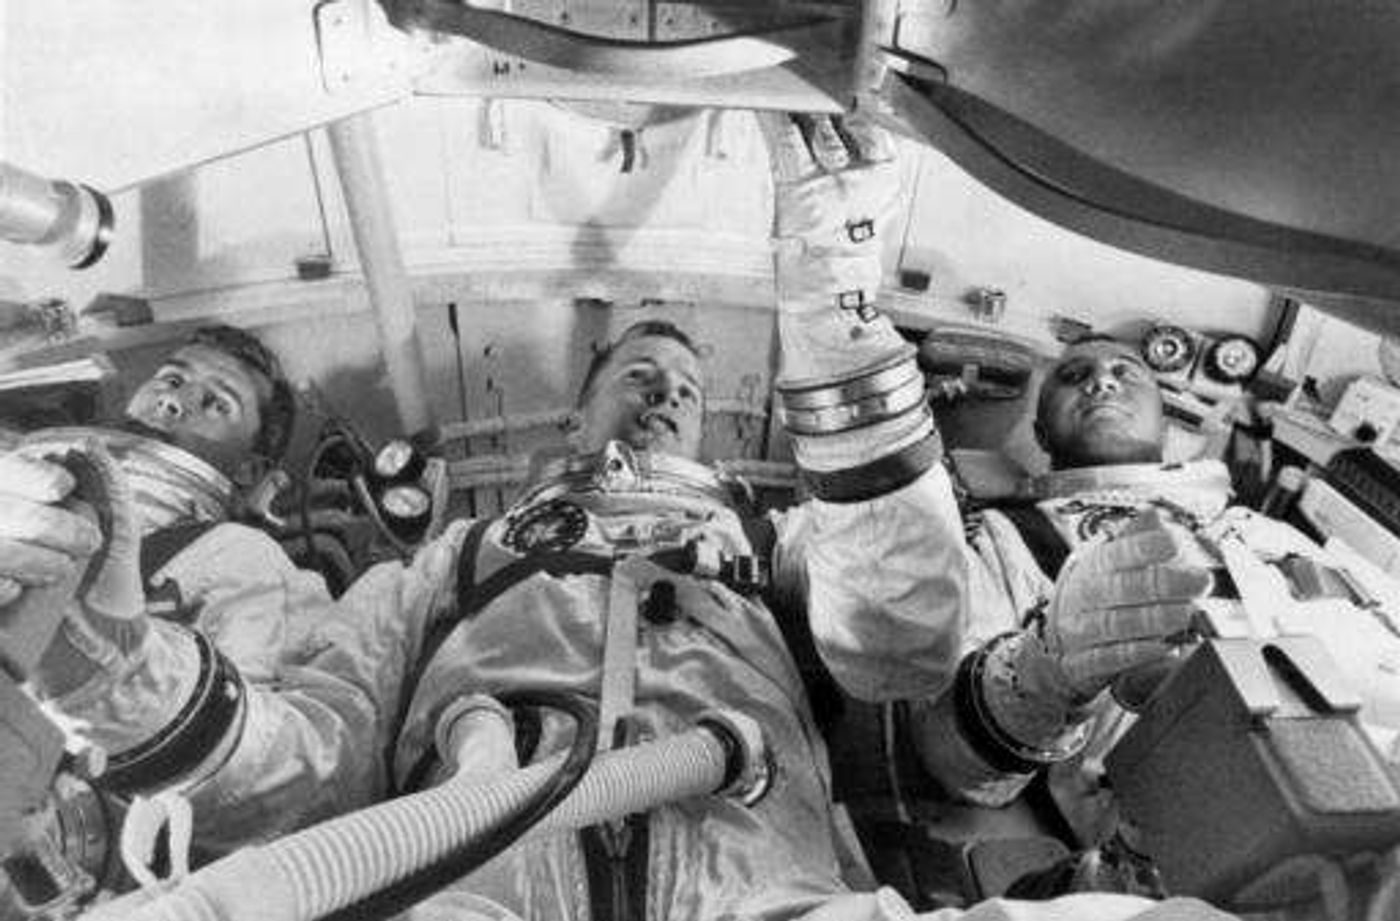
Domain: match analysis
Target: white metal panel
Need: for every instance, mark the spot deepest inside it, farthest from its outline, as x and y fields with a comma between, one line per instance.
x=113, y=93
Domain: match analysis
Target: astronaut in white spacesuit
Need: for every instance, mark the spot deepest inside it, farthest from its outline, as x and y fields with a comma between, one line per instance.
x=1109, y=530
x=876, y=557
x=215, y=414
x=212, y=418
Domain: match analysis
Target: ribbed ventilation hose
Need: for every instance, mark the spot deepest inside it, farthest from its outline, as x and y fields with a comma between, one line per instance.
x=328, y=866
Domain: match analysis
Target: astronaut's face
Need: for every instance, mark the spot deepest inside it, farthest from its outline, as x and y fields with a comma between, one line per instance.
x=205, y=401
x=1100, y=405
x=649, y=395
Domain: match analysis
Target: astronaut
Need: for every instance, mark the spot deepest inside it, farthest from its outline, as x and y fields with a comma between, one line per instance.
x=213, y=417
x=632, y=524
x=1111, y=532
x=216, y=413
x=221, y=396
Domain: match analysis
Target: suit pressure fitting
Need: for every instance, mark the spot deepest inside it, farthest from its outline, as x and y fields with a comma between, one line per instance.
x=203, y=731
x=888, y=398
x=749, y=761
x=887, y=390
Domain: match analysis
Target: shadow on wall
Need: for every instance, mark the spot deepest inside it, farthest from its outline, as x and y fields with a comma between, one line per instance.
x=358, y=394
x=1005, y=426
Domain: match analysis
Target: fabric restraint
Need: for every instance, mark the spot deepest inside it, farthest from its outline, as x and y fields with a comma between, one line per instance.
x=164, y=544
x=617, y=696
x=1047, y=545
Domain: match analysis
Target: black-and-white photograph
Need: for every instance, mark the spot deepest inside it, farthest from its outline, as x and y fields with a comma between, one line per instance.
x=700, y=460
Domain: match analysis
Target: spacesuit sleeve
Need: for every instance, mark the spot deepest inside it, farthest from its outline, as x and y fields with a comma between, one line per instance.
x=850, y=392
x=879, y=547
x=884, y=583
x=295, y=735
x=1004, y=582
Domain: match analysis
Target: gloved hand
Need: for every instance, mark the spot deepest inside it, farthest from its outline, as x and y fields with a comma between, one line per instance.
x=1120, y=607
x=69, y=565
x=836, y=188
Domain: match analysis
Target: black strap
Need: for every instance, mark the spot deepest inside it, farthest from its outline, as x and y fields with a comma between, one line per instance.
x=434, y=635
x=466, y=560
x=825, y=696
x=473, y=596
x=562, y=563
x=161, y=546
x=1046, y=544
x=879, y=477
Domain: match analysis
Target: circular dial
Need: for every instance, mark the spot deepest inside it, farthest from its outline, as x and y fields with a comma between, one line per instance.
x=405, y=502
x=1168, y=348
x=397, y=460
x=1232, y=359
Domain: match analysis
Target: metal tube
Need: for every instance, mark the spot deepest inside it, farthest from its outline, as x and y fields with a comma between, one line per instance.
x=75, y=220
x=357, y=160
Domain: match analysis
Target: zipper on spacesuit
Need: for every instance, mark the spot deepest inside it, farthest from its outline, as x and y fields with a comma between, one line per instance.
x=616, y=838
x=615, y=855
x=615, y=851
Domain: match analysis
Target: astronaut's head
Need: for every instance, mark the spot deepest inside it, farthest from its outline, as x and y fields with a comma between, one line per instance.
x=646, y=388
x=222, y=397
x=1100, y=404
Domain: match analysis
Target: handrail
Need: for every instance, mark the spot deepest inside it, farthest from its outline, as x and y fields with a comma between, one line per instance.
x=555, y=46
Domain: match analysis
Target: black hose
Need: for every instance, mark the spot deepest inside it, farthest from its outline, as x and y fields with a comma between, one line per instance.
x=314, y=559
x=334, y=432
x=416, y=887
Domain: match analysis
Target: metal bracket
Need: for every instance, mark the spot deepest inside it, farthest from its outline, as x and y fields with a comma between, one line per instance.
x=356, y=45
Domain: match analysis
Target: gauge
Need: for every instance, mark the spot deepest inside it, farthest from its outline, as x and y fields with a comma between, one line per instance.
x=405, y=502
x=1232, y=359
x=1168, y=348
x=406, y=510
x=398, y=461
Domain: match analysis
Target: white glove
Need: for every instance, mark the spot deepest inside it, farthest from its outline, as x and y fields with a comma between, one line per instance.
x=1121, y=607
x=69, y=566
x=836, y=189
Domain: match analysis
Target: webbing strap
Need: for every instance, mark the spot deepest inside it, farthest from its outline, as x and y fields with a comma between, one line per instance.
x=437, y=632
x=163, y=545
x=618, y=691
x=1047, y=546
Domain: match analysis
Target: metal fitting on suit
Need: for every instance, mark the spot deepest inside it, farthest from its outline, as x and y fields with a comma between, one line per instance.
x=887, y=390
x=750, y=773
x=479, y=721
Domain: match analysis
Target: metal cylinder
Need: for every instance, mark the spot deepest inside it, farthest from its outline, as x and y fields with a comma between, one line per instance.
x=76, y=220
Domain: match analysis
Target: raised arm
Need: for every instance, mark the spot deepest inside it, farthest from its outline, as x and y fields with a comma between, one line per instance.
x=878, y=548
